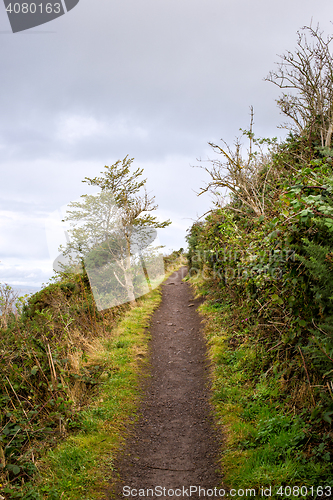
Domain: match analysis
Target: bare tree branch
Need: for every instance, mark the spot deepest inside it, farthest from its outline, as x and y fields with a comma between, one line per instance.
x=309, y=72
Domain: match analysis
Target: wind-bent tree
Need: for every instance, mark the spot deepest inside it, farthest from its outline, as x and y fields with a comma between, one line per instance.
x=308, y=73
x=110, y=230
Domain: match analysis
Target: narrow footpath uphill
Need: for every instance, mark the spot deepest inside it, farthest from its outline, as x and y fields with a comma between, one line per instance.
x=174, y=444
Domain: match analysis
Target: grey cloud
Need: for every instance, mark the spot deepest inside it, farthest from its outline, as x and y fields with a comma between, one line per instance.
x=21, y=275
x=155, y=79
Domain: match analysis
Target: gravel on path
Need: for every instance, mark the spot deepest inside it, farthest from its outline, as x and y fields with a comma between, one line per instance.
x=174, y=445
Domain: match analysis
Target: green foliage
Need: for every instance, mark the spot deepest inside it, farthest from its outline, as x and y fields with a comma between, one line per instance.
x=44, y=373
x=57, y=354
x=272, y=277
x=81, y=466
x=111, y=234
x=267, y=442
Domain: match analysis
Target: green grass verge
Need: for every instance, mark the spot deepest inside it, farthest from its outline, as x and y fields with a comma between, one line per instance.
x=80, y=466
x=268, y=443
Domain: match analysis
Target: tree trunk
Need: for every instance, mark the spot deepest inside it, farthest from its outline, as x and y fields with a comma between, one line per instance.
x=143, y=264
x=329, y=135
x=128, y=275
x=129, y=287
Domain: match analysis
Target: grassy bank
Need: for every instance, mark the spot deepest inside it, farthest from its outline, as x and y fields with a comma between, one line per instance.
x=269, y=442
x=70, y=381
x=274, y=434
x=80, y=467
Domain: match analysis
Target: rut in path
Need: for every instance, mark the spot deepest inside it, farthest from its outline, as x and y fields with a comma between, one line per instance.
x=174, y=444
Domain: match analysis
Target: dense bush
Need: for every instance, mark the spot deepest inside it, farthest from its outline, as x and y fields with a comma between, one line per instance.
x=276, y=273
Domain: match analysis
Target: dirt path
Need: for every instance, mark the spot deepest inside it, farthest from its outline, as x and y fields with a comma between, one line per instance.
x=174, y=445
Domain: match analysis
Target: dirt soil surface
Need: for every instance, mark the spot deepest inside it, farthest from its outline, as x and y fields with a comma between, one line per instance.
x=174, y=444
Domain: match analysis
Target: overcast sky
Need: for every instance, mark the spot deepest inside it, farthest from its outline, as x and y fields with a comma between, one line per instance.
x=152, y=79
